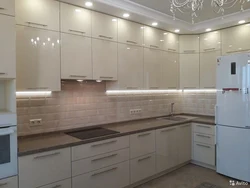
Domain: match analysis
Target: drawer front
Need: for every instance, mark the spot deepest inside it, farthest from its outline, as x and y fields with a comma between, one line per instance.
x=9, y=182
x=101, y=147
x=142, y=167
x=44, y=168
x=204, y=153
x=100, y=161
x=203, y=128
x=116, y=176
x=142, y=144
x=60, y=184
x=203, y=138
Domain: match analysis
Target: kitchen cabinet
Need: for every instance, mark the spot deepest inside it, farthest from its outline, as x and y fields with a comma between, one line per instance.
x=11, y=182
x=104, y=26
x=208, y=65
x=7, y=7
x=166, y=148
x=235, y=39
x=43, y=14
x=44, y=168
x=75, y=20
x=210, y=41
x=7, y=47
x=76, y=60
x=130, y=68
x=104, y=59
x=189, y=71
x=152, y=68
x=184, y=143
x=153, y=38
x=171, y=42
x=38, y=59
x=130, y=32
x=170, y=70
x=189, y=43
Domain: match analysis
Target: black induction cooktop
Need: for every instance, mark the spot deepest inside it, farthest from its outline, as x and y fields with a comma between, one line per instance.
x=91, y=133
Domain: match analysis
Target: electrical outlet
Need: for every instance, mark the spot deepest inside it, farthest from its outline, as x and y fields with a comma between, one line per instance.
x=35, y=122
x=135, y=111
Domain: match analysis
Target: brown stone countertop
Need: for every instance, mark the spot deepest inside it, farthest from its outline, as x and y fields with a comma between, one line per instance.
x=50, y=141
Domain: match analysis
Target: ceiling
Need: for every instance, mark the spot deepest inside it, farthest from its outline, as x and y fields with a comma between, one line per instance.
x=148, y=11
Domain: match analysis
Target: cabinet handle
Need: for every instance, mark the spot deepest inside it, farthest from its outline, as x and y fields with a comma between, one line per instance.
x=102, y=36
x=37, y=88
x=132, y=87
x=201, y=145
x=238, y=51
x=1, y=8
x=143, y=159
x=203, y=126
x=153, y=46
x=106, y=77
x=77, y=76
x=200, y=135
x=2, y=73
x=209, y=49
x=3, y=184
x=110, y=142
x=129, y=41
x=109, y=170
x=48, y=155
x=189, y=51
x=106, y=157
x=170, y=49
x=141, y=135
x=168, y=130
x=82, y=32
x=57, y=186
x=33, y=23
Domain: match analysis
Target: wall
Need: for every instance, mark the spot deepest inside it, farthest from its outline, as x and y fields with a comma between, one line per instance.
x=86, y=104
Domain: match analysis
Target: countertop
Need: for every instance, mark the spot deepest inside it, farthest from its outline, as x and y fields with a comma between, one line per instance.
x=51, y=141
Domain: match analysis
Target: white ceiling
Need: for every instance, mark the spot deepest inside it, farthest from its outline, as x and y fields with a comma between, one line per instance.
x=148, y=11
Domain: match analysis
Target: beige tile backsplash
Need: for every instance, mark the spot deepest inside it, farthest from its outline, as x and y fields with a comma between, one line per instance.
x=86, y=104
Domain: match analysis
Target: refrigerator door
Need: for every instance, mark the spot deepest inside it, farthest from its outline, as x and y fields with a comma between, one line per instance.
x=233, y=152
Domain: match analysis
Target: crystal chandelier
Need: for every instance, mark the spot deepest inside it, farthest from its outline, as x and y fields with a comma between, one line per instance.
x=193, y=6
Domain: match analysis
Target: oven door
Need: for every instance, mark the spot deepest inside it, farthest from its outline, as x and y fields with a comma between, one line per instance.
x=8, y=151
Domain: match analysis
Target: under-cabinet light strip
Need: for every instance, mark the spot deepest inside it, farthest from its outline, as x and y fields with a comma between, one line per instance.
x=33, y=93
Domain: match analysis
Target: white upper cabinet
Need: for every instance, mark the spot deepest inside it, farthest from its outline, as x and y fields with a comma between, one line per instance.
x=7, y=7
x=38, y=13
x=104, y=59
x=189, y=71
x=153, y=38
x=152, y=68
x=7, y=47
x=170, y=70
x=210, y=41
x=75, y=20
x=76, y=61
x=104, y=26
x=171, y=42
x=130, y=32
x=235, y=39
x=189, y=43
x=38, y=59
x=208, y=65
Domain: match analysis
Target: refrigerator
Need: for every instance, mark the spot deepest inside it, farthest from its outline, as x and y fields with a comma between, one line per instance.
x=232, y=113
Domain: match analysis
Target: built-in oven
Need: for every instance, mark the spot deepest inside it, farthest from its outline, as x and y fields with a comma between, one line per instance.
x=8, y=151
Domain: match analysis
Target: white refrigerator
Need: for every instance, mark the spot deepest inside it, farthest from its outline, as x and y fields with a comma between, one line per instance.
x=233, y=116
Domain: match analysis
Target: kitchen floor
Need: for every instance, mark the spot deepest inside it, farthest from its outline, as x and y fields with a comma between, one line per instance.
x=189, y=176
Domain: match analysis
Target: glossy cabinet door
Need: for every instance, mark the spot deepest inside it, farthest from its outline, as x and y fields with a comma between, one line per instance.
x=38, y=59
x=189, y=43
x=210, y=41
x=7, y=47
x=130, y=32
x=170, y=70
x=208, y=65
x=104, y=26
x=153, y=38
x=152, y=68
x=171, y=42
x=184, y=143
x=7, y=7
x=235, y=39
x=42, y=14
x=75, y=20
x=104, y=59
x=189, y=71
x=76, y=60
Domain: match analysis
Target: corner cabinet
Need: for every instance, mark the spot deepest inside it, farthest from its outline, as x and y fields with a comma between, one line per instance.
x=38, y=59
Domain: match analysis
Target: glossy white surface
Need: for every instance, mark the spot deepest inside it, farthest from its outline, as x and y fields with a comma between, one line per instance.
x=189, y=43
x=7, y=7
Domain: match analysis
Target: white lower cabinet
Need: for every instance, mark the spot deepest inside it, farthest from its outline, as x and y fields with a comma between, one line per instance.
x=61, y=184
x=204, y=153
x=142, y=167
x=9, y=182
x=116, y=176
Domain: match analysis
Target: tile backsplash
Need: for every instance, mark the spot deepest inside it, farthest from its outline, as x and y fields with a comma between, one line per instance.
x=86, y=104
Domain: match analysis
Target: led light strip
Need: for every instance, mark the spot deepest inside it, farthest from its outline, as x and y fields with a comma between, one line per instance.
x=33, y=93
x=199, y=90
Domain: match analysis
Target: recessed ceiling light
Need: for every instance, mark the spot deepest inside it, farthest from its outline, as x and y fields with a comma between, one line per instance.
x=165, y=33
x=177, y=30
x=241, y=22
x=126, y=15
x=89, y=4
x=161, y=40
x=154, y=24
x=208, y=29
x=142, y=27
x=114, y=20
